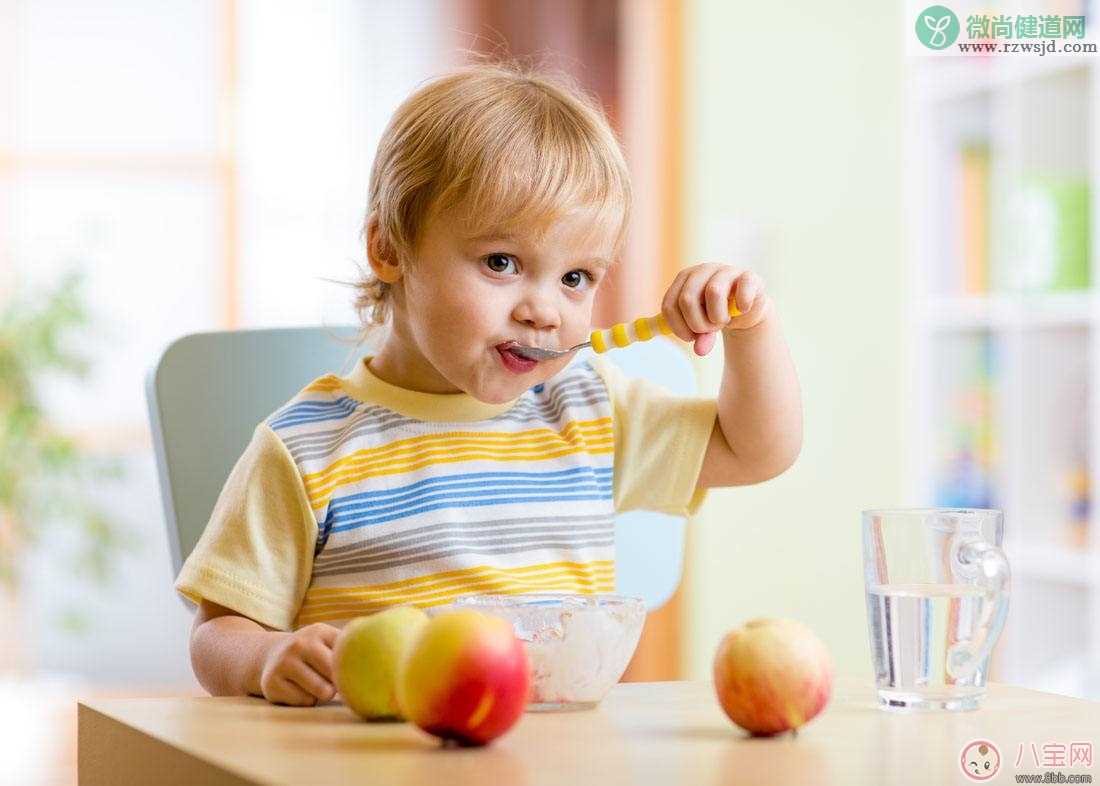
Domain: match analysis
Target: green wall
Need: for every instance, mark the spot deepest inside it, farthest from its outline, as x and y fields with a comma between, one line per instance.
x=793, y=130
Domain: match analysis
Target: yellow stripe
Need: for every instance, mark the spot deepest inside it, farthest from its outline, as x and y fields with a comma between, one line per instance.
x=319, y=492
x=619, y=336
x=320, y=497
x=310, y=613
x=641, y=328
x=662, y=325
x=483, y=584
x=456, y=439
x=594, y=437
x=430, y=444
x=599, y=341
x=476, y=570
x=338, y=602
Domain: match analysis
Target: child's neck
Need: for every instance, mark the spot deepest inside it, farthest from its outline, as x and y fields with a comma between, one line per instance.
x=403, y=366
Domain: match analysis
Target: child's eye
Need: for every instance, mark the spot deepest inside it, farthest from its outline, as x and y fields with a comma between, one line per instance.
x=576, y=275
x=491, y=262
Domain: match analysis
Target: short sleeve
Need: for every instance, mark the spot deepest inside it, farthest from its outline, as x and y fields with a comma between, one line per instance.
x=660, y=442
x=256, y=554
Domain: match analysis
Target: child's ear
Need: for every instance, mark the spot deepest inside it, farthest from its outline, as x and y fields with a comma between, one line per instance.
x=380, y=254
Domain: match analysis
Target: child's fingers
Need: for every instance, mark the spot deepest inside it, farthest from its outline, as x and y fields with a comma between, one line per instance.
x=717, y=295
x=328, y=633
x=754, y=316
x=309, y=680
x=704, y=343
x=285, y=691
x=319, y=656
x=671, y=311
x=749, y=287
x=691, y=300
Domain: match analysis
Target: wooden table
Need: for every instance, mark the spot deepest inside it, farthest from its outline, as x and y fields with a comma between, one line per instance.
x=642, y=733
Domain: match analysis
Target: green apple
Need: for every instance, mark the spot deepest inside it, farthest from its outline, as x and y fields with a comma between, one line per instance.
x=366, y=658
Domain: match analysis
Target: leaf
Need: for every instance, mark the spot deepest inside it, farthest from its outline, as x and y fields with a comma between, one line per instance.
x=44, y=475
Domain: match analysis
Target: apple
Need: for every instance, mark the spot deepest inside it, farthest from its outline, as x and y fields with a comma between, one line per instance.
x=366, y=657
x=772, y=675
x=466, y=678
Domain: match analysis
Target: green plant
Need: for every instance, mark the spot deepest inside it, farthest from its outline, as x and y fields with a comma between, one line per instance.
x=44, y=474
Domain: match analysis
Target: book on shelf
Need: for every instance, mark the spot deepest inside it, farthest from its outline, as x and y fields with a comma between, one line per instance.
x=974, y=216
x=967, y=440
x=1046, y=234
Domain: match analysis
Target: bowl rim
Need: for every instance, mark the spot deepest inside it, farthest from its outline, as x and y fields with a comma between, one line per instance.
x=539, y=599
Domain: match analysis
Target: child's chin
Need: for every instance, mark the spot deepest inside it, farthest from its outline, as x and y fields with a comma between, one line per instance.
x=499, y=398
x=503, y=395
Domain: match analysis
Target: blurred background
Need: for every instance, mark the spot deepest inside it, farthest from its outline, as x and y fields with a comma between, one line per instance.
x=924, y=225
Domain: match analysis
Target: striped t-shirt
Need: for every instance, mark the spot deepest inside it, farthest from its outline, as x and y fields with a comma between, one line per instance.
x=357, y=494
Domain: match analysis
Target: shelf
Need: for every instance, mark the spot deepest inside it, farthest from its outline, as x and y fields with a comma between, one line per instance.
x=1002, y=171
x=1054, y=563
x=970, y=312
x=948, y=79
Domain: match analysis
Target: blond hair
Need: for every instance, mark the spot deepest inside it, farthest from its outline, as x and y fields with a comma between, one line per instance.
x=513, y=146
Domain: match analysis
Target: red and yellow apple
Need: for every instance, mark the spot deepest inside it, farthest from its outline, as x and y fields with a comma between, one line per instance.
x=772, y=675
x=466, y=678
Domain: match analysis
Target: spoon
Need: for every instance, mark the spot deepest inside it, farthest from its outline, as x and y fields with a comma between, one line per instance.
x=620, y=335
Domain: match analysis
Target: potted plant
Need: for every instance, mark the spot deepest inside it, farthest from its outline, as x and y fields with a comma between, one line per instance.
x=41, y=469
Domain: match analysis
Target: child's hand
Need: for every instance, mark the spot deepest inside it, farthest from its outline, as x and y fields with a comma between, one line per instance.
x=298, y=668
x=697, y=303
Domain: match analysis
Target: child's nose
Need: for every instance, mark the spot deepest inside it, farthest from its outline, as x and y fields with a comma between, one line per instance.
x=537, y=312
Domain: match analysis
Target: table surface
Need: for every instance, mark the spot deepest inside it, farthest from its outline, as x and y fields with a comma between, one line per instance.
x=642, y=733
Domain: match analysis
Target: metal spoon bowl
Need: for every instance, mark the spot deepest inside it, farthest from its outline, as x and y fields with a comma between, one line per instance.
x=538, y=353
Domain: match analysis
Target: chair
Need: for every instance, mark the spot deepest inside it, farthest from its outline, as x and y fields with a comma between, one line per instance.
x=207, y=392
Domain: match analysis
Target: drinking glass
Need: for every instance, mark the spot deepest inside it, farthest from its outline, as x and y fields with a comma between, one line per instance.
x=937, y=587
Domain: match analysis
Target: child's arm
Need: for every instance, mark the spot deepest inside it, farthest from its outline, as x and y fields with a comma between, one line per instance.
x=233, y=655
x=758, y=433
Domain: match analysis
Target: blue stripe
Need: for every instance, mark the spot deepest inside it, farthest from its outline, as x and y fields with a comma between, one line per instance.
x=474, y=476
x=419, y=499
x=313, y=412
x=311, y=408
x=421, y=494
x=448, y=503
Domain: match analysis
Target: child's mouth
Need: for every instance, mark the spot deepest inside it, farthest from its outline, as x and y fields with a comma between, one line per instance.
x=513, y=362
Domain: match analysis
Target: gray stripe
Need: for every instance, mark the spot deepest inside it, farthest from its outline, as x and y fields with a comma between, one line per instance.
x=417, y=545
x=379, y=420
x=334, y=551
x=301, y=455
x=313, y=446
x=509, y=549
x=527, y=402
x=373, y=416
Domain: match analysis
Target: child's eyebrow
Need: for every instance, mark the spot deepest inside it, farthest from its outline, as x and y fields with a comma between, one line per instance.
x=492, y=237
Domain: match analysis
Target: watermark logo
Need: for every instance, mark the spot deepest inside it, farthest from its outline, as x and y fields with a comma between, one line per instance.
x=937, y=27
x=980, y=760
x=967, y=31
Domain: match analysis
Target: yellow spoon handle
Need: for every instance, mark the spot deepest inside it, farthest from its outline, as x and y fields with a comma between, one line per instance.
x=626, y=333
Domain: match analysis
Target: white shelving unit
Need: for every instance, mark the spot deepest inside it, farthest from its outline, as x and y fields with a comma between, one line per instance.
x=1042, y=400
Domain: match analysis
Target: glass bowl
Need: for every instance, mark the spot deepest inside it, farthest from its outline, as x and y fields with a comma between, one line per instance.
x=579, y=645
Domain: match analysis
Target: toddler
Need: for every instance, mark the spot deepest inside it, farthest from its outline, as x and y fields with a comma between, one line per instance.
x=444, y=463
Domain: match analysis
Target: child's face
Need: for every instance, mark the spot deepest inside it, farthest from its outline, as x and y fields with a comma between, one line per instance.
x=464, y=297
